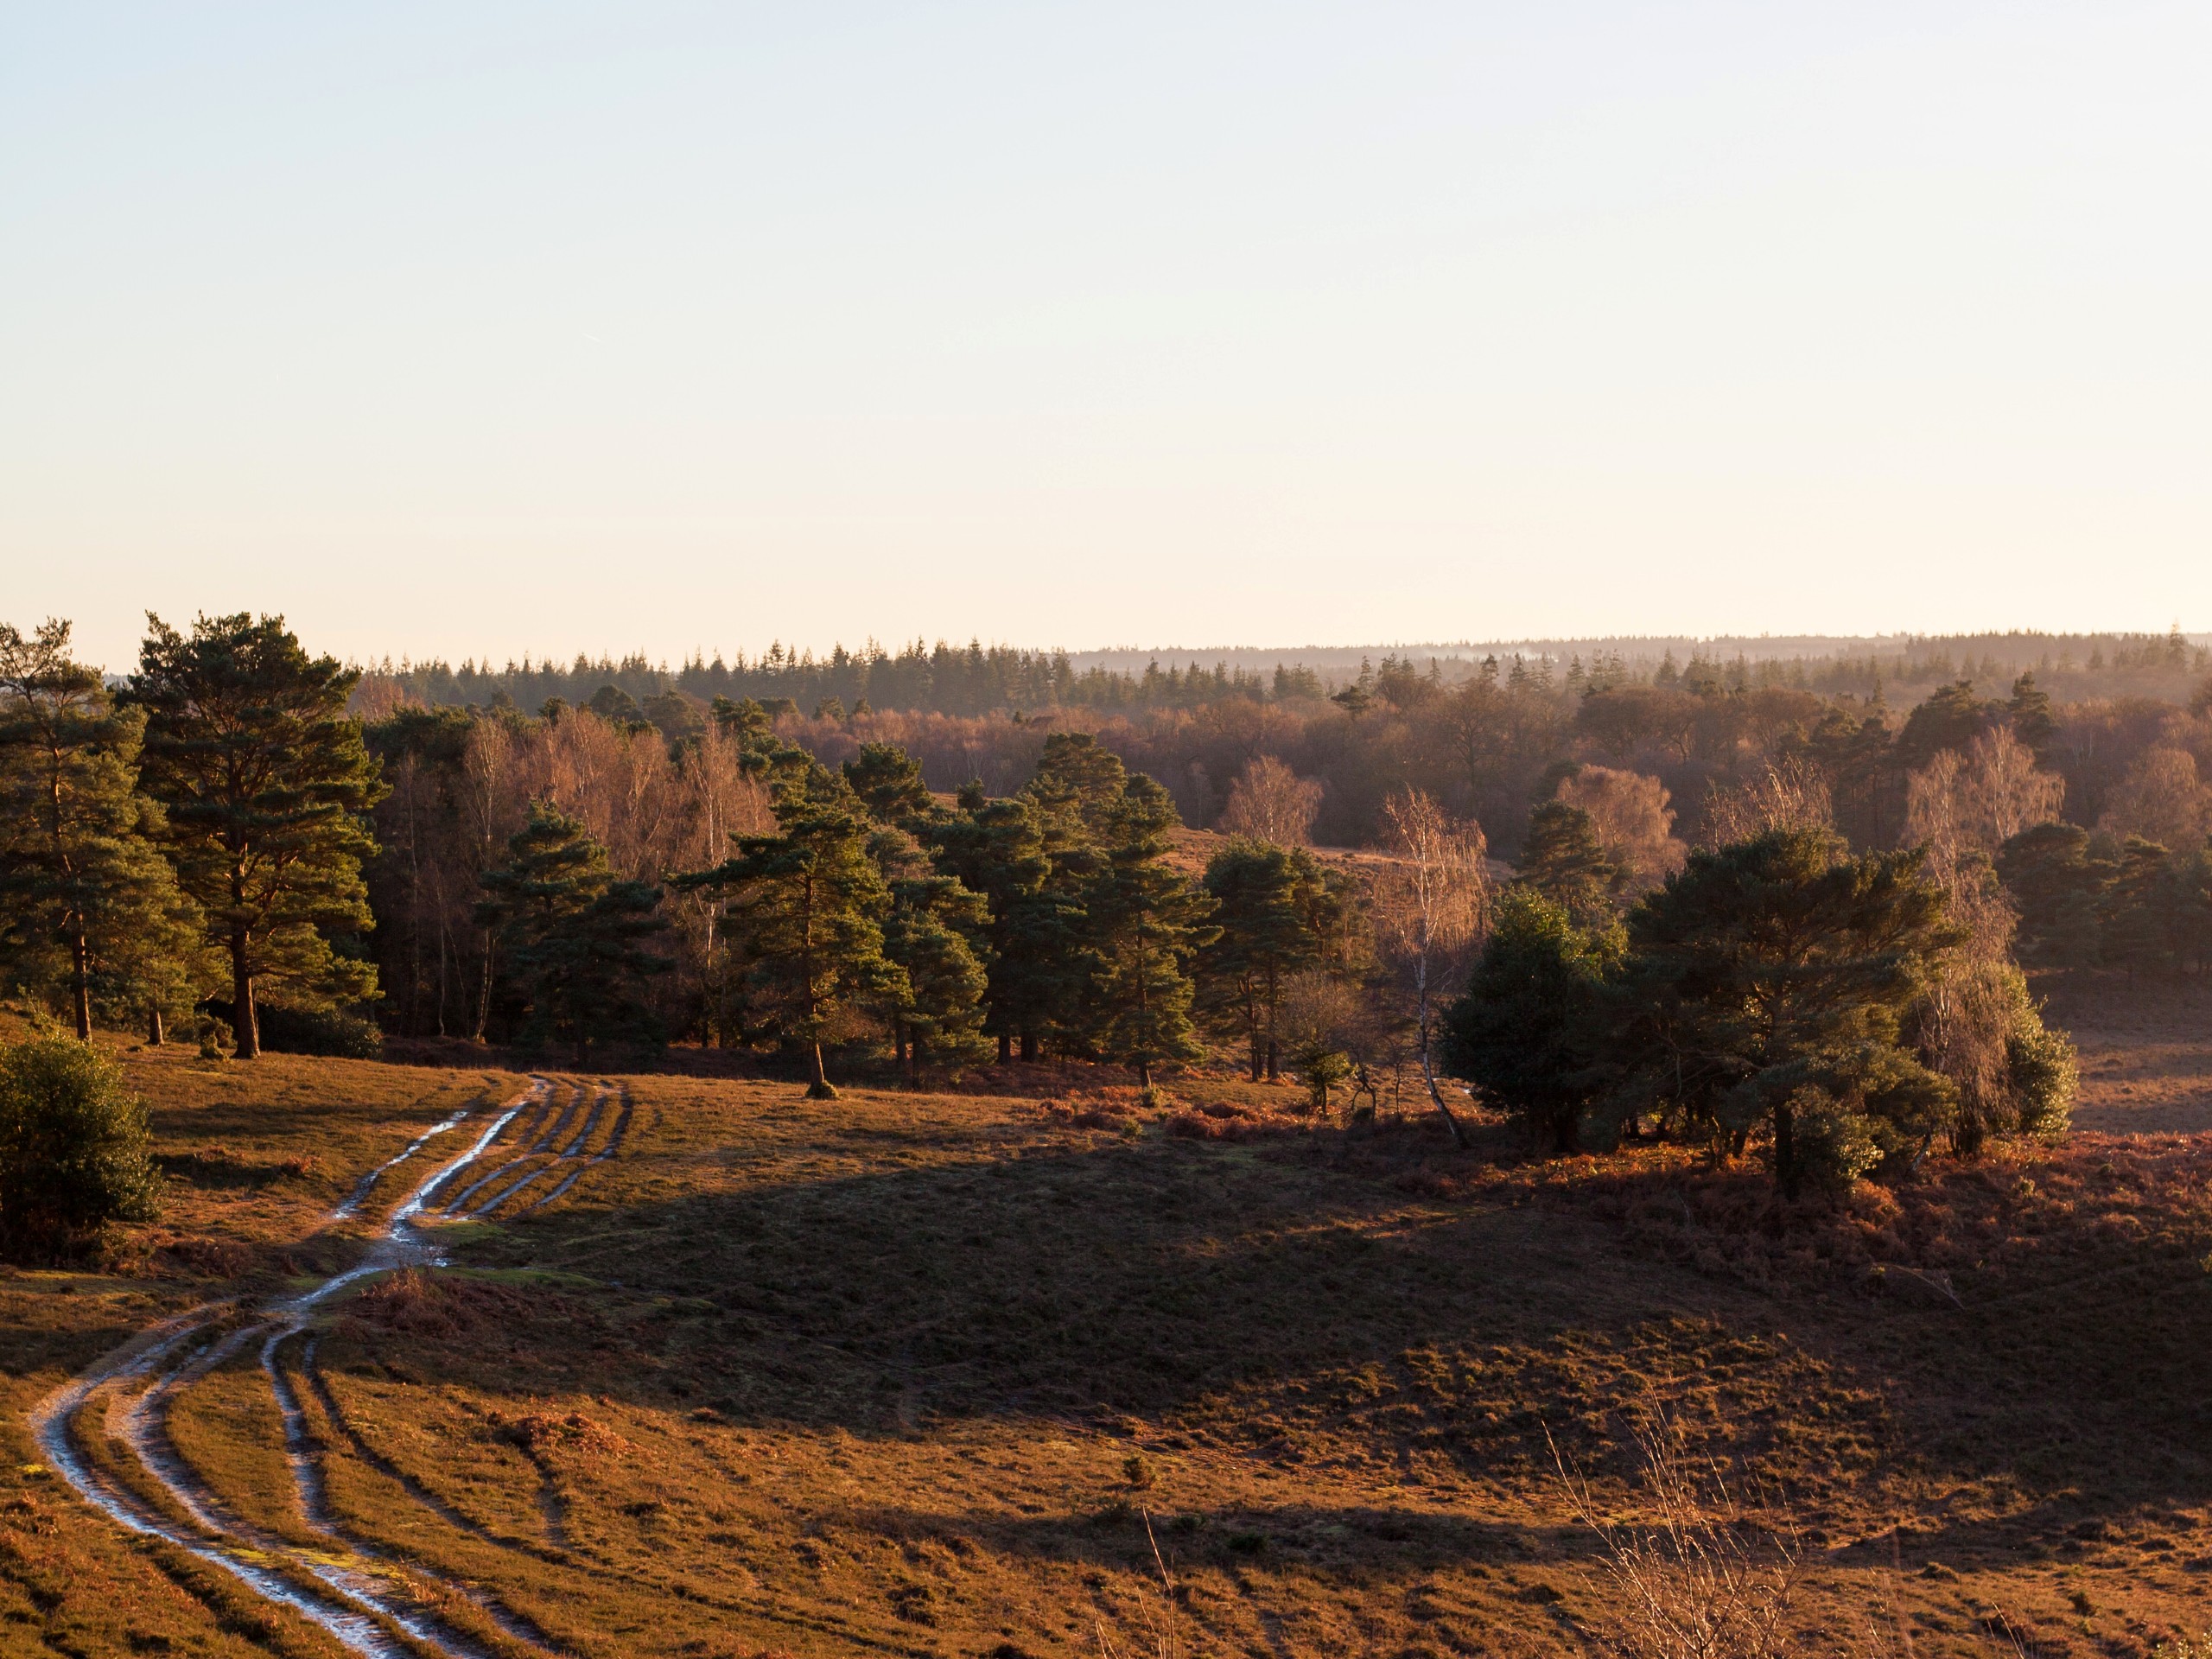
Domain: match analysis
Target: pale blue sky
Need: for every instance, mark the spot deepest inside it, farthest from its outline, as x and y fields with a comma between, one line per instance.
x=478, y=329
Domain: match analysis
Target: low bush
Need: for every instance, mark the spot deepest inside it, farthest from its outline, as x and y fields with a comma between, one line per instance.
x=72, y=1149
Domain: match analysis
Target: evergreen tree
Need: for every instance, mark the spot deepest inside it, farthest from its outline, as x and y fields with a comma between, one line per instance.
x=1264, y=897
x=1766, y=986
x=2057, y=881
x=267, y=786
x=2030, y=709
x=1146, y=922
x=996, y=848
x=1077, y=788
x=2134, y=925
x=889, y=784
x=1949, y=717
x=87, y=902
x=575, y=937
x=1563, y=859
x=934, y=934
x=72, y=1149
x=810, y=904
x=1526, y=1032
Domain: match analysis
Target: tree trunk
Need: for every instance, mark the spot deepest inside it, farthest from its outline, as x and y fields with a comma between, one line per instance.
x=1028, y=1046
x=81, y=987
x=1427, y=1074
x=1144, y=1074
x=914, y=1060
x=1005, y=1048
x=153, y=1039
x=1259, y=1058
x=245, y=1028
x=819, y=1088
x=1274, y=1062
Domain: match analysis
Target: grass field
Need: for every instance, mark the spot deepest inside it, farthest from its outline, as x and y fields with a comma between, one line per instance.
x=1038, y=1374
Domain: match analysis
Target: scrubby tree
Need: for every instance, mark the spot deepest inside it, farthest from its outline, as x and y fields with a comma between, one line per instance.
x=1145, y=922
x=575, y=937
x=809, y=906
x=72, y=1149
x=1526, y=1031
x=267, y=786
x=88, y=903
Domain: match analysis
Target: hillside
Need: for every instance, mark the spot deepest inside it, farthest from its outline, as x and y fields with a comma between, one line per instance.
x=1007, y=1376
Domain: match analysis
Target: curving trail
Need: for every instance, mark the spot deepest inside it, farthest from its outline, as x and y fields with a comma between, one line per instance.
x=371, y=1603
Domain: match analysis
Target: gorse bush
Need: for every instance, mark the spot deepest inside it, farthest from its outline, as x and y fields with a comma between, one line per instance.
x=72, y=1149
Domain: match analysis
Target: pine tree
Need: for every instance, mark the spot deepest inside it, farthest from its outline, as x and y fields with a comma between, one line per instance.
x=996, y=848
x=2030, y=709
x=87, y=899
x=808, y=905
x=1146, y=922
x=575, y=937
x=1526, y=1032
x=1265, y=897
x=1766, y=986
x=1563, y=859
x=934, y=934
x=267, y=786
x=889, y=784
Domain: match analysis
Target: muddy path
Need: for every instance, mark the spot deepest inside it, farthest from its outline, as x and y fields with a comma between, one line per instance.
x=106, y=1432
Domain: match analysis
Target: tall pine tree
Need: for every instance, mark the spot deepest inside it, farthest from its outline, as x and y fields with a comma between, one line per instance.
x=575, y=937
x=268, y=787
x=1146, y=922
x=87, y=902
x=808, y=905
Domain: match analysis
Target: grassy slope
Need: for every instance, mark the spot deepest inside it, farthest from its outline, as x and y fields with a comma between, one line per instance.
x=910, y=1375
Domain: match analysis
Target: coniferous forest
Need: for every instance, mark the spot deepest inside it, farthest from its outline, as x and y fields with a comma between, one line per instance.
x=1544, y=886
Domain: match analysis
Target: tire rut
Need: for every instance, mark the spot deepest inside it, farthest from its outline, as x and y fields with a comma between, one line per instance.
x=356, y=1591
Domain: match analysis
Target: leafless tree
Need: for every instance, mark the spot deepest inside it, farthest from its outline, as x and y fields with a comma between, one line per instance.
x=1430, y=901
x=1634, y=823
x=1787, y=795
x=2162, y=798
x=1269, y=802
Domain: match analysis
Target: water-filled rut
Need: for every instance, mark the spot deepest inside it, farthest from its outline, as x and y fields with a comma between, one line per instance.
x=106, y=1432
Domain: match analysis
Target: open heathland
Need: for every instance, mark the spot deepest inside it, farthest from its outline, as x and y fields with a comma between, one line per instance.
x=715, y=1370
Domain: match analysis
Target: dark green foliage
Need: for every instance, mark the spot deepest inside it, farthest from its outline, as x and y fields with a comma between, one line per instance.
x=72, y=1149
x=934, y=933
x=89, y=907
x=2029, y=711
x=996, y=848
x=1526, y=1032
x=574, y=937
x=1077, y=787
x=2058, y=883
x=320, y=1031
x=1265, y=903
x=1764, y=989
x=808, y=905
x=1949, y=717
x=1563, y=859
x=1146, y=922
x=889, y=785
x=267, y=786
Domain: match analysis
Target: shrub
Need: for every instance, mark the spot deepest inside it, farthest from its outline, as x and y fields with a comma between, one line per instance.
x=320, y=1031
x=72, y=1149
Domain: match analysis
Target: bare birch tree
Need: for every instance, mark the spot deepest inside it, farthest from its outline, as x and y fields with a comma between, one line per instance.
x=1269, y=802
x=1431, y=898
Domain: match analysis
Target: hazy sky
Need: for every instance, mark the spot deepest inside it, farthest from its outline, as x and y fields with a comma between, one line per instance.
x=475, y=328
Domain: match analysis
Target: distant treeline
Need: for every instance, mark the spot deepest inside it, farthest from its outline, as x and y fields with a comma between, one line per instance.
x=977, y=679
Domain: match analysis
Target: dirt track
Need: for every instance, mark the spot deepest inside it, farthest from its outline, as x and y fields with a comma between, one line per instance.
x=106, y=1433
